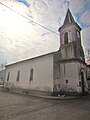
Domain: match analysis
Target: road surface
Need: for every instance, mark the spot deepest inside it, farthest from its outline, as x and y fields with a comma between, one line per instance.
x=20, y=107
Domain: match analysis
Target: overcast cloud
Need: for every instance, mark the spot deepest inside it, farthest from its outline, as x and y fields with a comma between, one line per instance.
x=21, y=38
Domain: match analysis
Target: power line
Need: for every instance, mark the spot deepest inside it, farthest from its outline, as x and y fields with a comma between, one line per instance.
x=29, y=19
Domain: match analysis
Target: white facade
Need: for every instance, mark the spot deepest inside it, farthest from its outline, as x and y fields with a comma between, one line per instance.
x=42, y=74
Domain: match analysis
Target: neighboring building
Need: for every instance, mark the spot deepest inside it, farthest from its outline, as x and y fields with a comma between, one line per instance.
x=88, y=76
x=63, y=71
x=2, y=76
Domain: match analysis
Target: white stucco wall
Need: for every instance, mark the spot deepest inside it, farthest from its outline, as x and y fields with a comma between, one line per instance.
x=42, y=74
x=67, y=52
x=69, y=71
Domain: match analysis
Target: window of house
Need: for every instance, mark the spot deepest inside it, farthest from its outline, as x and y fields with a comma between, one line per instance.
x=18, y=75
x=8, y=76
x=31, y=74
x=80, y=84
x=66, y=38
x=67, y=81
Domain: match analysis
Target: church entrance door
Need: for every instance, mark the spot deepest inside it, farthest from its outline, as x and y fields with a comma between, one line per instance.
x=82, y=80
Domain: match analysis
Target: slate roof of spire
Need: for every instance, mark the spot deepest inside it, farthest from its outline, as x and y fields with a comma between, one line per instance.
x=69, y=18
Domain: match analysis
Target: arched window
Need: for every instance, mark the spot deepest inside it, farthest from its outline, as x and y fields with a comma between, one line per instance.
x=66, y=38
x=18, y=75
x=31, y=74
x=8, y=76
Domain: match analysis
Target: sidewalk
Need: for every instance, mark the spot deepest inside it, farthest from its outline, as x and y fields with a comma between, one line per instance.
x=59, y=97
x=62, y=97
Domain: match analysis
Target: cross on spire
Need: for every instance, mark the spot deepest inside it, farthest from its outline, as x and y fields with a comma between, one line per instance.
x=68, y=3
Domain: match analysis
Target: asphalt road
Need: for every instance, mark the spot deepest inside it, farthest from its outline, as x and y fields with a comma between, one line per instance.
x=19, y=107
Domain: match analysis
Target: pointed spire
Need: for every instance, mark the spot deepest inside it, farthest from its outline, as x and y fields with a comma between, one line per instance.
x=69, y=18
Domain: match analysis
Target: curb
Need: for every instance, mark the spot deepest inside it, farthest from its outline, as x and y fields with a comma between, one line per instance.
x=62, y=97
x=54, y=97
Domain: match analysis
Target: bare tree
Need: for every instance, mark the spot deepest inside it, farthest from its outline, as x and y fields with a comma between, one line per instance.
x=2, y=69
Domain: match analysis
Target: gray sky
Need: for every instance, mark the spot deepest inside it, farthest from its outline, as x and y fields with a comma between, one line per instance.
x=21, y=38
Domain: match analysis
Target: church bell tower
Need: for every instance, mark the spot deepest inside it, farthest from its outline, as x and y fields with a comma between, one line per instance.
x=70, y=39
x=69, y=61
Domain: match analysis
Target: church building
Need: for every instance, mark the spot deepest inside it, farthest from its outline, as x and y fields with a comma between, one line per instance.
x=59, y=72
